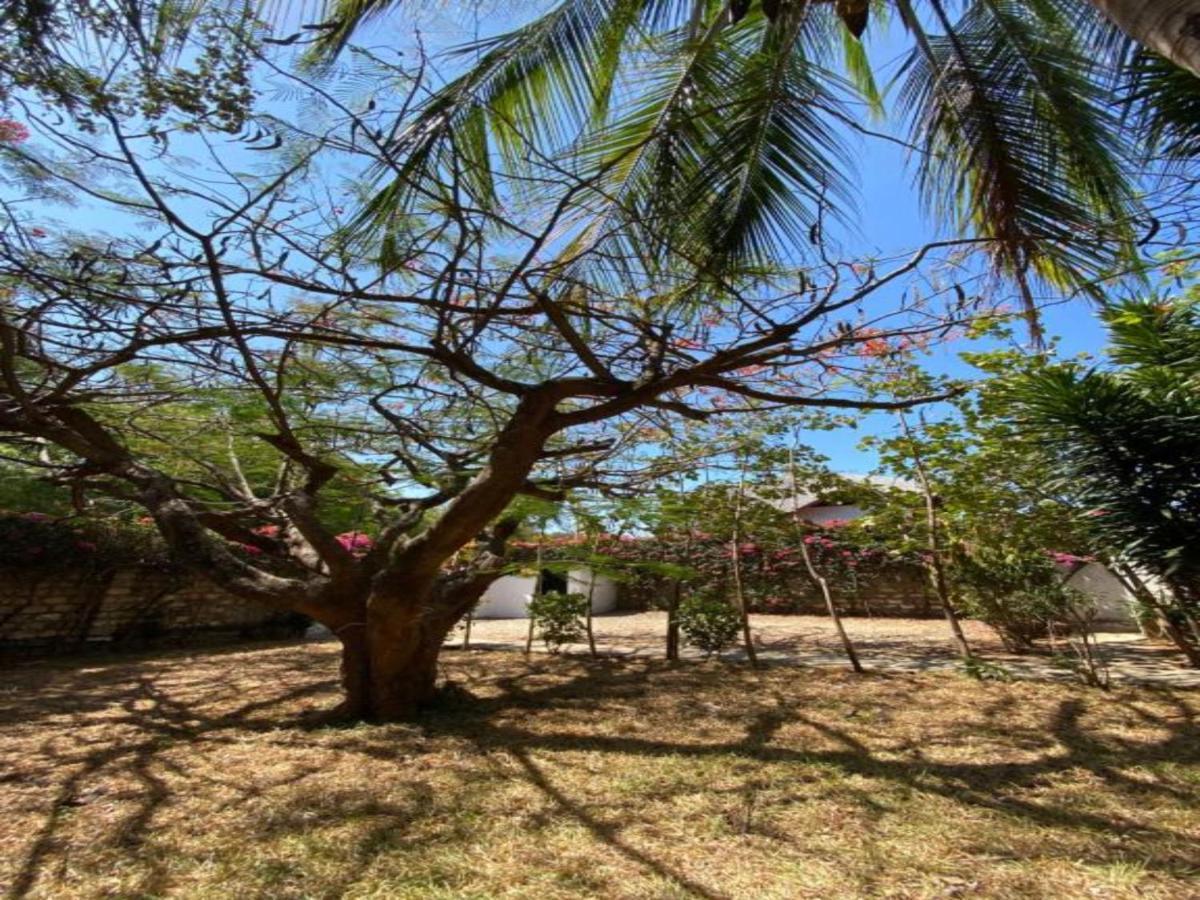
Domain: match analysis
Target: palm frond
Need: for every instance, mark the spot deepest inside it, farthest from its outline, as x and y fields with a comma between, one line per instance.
x=1165, y=102
x=1022, y=144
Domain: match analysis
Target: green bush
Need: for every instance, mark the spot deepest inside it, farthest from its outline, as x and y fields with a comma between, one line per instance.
x=708, y=622
x=559, y=618
x=1019, y=595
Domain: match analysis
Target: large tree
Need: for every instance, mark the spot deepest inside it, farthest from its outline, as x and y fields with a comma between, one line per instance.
x=206, y=337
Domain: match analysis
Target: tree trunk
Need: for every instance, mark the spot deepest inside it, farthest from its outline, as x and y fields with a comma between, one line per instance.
x=739, y=592
x=537, y=592
x=673, y=620
x=936, y=568
x=390, y=661
x=831, y=607
x=676, y=598
x=818, y=579
x=591, y=594
x=1170, y=28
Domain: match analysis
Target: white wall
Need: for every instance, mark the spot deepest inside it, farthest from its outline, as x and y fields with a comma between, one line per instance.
x=508, y=597
x=1113, y=602
x=604, y=596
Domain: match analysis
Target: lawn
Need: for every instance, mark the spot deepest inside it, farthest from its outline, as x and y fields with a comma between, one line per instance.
x=190, y=775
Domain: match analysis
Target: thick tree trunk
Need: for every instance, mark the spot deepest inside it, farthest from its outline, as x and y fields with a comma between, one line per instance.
x=390, y=660
x=1170, y=28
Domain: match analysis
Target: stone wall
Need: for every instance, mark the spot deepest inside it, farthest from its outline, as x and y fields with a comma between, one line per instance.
x=900, y=591
x=64, y=611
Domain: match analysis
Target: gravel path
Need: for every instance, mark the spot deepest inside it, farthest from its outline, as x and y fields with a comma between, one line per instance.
x=882, y=643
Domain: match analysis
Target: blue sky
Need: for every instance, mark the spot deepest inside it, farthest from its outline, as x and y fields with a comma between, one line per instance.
x=889, y=218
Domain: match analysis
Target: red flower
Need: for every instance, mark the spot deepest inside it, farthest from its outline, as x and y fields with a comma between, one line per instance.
x=13, y=132
x=37, y=232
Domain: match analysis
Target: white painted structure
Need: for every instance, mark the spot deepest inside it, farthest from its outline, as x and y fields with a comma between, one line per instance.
x=508, y=597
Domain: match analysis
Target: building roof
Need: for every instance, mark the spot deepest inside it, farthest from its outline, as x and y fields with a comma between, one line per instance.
x=808, y=497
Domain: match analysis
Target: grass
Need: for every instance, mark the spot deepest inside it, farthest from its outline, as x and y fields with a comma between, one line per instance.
x=186, y=775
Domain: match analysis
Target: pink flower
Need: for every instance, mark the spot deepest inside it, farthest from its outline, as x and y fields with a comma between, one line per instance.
x=267, y=531
x=35, y=517
x=356, y=542
x=1070, y=559
x=37, y=232
x=13, y=132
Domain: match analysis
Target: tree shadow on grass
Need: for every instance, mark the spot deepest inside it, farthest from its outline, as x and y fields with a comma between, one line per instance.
x=550, y=707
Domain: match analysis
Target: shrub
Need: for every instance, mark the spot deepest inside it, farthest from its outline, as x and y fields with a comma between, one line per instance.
x=559, y=618
x=708, y=622
x=1020, y=595
x=37, y=541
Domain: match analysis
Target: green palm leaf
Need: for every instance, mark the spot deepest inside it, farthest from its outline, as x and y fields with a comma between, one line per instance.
x=1022, y=143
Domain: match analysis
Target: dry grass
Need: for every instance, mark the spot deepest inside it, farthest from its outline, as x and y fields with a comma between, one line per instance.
x=184, y=775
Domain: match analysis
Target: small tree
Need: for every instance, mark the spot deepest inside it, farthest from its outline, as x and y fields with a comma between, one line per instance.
x=1121, y=444
x=709, y=622
x=559, y=618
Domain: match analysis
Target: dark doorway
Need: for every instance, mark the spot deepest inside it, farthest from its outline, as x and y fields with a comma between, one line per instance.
x=553, y=582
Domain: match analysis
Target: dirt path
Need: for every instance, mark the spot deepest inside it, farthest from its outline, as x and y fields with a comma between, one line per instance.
x=899, y=644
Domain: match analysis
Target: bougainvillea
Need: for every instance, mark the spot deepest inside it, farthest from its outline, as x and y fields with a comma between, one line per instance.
x=774, y=574
x=358, y=543
x=34, y=540
x=13, y=132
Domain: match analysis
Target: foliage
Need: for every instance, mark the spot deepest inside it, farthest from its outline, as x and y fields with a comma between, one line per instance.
x=197, y=326
x=774, y=575
x=708, y=622
x=720, y=127
x=177, y=58
x=39, y=542
x=558, y=618
x=1120, y=440
x=1022, y=596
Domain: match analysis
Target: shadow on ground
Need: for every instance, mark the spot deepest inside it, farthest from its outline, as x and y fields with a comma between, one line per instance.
x=192, y=774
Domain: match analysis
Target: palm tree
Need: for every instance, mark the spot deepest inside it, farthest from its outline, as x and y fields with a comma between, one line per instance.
x=1122, y=442
x=718, y=127
x=1171, y=28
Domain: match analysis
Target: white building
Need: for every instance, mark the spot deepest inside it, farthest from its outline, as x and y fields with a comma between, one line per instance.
x=508, y=597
